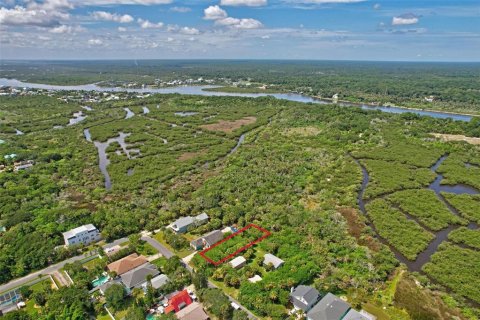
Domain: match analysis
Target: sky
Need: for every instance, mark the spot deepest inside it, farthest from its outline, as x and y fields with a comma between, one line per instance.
x=386, y=30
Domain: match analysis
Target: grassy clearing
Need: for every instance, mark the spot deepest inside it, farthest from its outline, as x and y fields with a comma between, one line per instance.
x=467, y=205
x=455, y=171
x=425, y=205
x=388, y=176
x=403, y=234
x=146, y=249
x=466, y=236
x=456, y=268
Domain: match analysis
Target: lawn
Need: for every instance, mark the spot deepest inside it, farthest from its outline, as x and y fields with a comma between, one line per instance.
x=90, y=265
x=146, y=249
x=181, y=253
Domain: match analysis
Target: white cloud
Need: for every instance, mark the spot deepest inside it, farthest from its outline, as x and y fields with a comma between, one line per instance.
x=67, y=29
x=121, y=29
x=222, y=19
x=214, y=13
x=95, y=42
x=180, y=9
x=119, y=2
x=405, y=19
x=145, y=24
x=190, y=31
x=325, y=1
x=34, y=15
x=239, y=23
x=249, y=3
x=107, y=16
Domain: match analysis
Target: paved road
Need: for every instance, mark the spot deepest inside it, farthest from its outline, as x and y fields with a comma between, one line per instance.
x=154, y=243
x=157, y=245
x=50, y=269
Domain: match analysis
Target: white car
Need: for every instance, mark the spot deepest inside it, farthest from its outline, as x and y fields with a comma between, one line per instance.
x=235, y=306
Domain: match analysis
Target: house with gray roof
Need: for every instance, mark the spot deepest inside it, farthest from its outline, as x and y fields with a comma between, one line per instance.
x=207, y=240
x=271, y=259
x=183, y=224
x=329, y=308
x=304, y=297
x=157, y=282
x=355, y=315
x=136, y=277
x=82, y=235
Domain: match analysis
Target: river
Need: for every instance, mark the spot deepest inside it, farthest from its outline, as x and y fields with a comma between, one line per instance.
x=200, y=90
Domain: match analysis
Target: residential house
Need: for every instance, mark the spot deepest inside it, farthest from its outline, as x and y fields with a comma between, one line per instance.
x=183, y=224
x=355, y=315
x=157, y=282
x=329, y=308
x=238, y=262
x=193, y=311
x=126, y=264
x=271, y=259
x=22, y=165
x=178, y=302
x=137, y=277
x=304, y=297
x=207, y=240
x=82, y=235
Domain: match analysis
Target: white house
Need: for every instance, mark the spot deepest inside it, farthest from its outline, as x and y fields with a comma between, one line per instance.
x=82, y=235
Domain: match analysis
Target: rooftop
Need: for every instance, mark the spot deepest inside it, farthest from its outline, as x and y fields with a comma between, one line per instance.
x=74, y=232
x=275, y=261
x=126, y=264
x=193, y=311
x=138, y=275
x=329, y=308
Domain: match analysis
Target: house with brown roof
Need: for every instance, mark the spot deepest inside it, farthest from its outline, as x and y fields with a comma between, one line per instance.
x=193, y=311
x=126, y=264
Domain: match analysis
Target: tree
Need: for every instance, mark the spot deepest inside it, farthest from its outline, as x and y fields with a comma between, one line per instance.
x=135, y=313
x=25, y=291
x=239, y=315
x=149, y=296
x=114, y=296
x=40, y=298
x=200, y=280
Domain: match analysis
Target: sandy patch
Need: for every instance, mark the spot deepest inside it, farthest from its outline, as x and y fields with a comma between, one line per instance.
x=303, y=131
x=190, y=155
x=456, y=137
x=229, y=126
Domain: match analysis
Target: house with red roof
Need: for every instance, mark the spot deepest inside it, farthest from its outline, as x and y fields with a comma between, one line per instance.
x=178, y=302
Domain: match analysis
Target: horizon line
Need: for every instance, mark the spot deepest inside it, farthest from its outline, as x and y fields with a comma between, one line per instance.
x=235, y=59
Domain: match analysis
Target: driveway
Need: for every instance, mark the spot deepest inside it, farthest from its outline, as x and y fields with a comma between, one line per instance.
x=157, y=245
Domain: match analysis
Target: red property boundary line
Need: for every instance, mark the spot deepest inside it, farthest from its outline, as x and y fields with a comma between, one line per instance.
x=266, y=233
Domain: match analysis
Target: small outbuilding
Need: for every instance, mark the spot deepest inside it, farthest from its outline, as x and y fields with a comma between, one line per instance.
x=271, y=259
x=238, y=262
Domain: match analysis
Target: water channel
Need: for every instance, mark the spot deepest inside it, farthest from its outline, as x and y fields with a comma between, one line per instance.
x=103, y=161
x=200, y=90
x=440, y=236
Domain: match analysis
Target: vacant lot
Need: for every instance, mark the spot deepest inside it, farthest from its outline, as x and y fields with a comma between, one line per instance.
x=457, y=137
x=229, y=126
